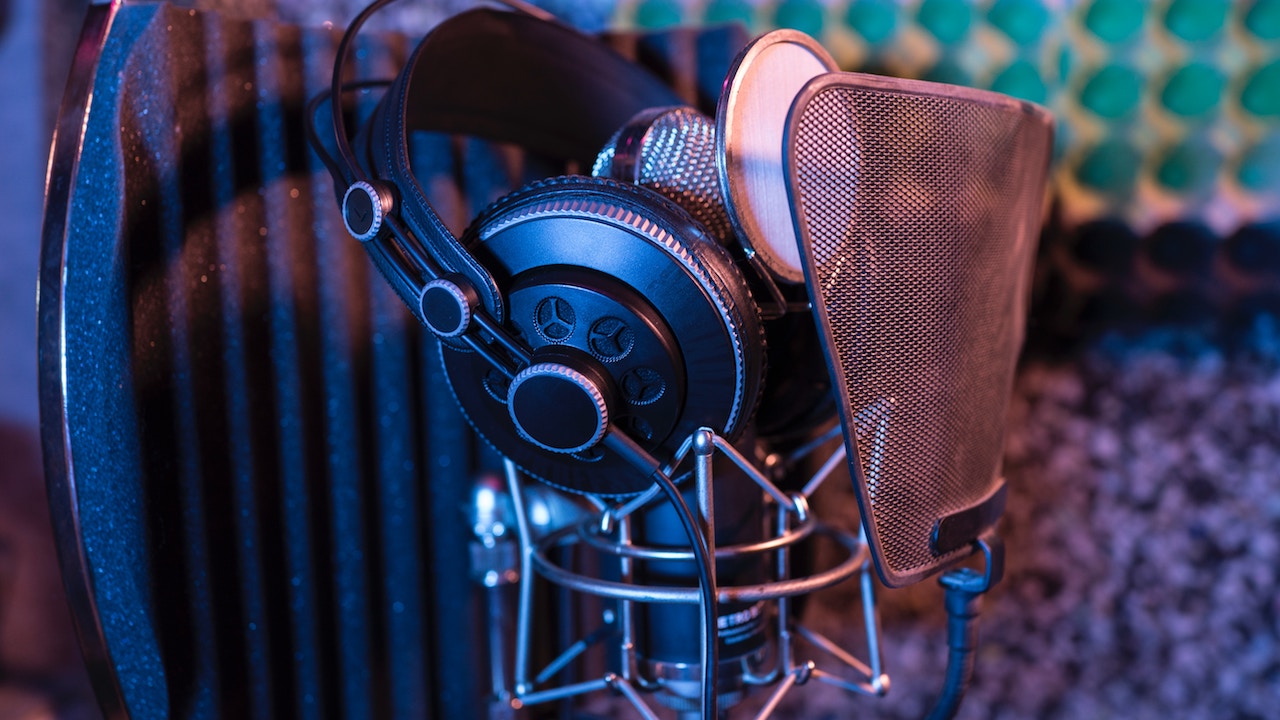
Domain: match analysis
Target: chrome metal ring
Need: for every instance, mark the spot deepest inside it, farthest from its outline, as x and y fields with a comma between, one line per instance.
x=858, y=557
x=589, y=533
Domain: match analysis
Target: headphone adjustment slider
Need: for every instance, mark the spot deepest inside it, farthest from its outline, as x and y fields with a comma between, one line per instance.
x=447, y=305
x=558, y=407
x=363, y=209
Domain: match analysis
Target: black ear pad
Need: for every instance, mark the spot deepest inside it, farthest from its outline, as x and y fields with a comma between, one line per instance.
x=797, y=400
x=622, y=287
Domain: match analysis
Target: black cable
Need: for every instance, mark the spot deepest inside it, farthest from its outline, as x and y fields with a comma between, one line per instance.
x=626, y=447
x=313, y=137
x=963, y=599
x=352, y=172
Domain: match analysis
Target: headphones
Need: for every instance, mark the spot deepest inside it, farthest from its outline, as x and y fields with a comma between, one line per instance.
x=587, y=325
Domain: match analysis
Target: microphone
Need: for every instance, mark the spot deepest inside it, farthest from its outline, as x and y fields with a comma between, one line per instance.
x=602, y=332
x=916, y=208
x=909, y=212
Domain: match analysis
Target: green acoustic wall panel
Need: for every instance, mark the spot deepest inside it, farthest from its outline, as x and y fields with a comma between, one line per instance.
x=1168, y=129
x=1167, y=109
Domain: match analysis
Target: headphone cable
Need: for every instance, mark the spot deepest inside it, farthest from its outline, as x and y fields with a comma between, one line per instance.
x=313, y=137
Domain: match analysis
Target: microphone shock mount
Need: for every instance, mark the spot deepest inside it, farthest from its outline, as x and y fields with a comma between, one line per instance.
x=600, y=557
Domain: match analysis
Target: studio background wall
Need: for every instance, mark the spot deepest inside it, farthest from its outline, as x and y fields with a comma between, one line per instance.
x=1142, y=458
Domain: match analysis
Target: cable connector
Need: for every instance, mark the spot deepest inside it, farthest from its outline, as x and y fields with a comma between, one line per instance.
x=964, y=589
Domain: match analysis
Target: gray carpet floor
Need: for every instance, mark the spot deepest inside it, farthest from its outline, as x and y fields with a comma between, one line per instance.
x=1143, y=533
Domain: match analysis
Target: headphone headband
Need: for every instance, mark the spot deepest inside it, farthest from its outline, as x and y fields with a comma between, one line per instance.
x=520, y=78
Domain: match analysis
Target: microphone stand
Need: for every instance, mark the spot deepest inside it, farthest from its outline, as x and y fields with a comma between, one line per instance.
x=609, y=531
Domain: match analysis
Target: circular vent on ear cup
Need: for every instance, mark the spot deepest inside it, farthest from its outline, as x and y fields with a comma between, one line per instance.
x=626, y=281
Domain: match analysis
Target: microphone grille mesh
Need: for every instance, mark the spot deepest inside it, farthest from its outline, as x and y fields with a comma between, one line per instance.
x=677, y=158
x=919, y=214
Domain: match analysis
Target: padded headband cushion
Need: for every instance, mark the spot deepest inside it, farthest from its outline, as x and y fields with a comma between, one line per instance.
x=514, y=78
x=508, y=77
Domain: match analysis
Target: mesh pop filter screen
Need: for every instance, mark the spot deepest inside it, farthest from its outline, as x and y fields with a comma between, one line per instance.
x=918, y=206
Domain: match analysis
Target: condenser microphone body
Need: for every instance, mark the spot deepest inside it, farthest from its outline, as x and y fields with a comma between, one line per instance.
x=667, y=639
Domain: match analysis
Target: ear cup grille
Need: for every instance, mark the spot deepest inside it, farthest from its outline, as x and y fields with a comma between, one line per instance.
x=918, y=214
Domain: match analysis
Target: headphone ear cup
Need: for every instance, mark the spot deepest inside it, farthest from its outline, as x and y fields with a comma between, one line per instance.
x=624, y=288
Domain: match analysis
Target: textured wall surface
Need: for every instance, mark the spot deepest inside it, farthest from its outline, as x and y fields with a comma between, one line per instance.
x=1145, y=434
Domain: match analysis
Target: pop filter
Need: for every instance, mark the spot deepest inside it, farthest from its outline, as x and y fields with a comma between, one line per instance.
x=918, y=206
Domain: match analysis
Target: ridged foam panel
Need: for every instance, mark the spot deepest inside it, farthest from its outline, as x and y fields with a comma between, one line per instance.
x=258, y=474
